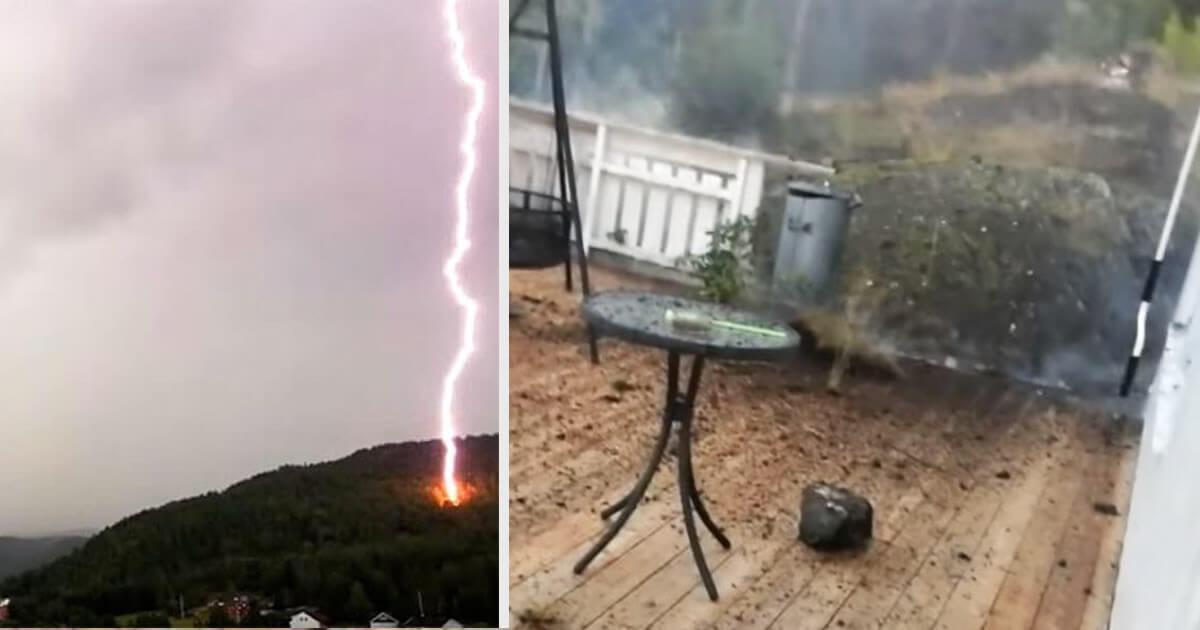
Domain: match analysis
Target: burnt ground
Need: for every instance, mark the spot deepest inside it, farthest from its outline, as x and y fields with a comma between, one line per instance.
x=985, y=491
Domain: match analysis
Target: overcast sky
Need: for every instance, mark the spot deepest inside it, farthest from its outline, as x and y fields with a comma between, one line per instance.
x=222, y=226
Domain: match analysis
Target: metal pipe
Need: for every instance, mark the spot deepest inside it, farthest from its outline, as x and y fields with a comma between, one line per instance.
x=1139, y=343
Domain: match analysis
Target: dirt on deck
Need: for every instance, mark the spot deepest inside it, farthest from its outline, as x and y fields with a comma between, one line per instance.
x=580, y=434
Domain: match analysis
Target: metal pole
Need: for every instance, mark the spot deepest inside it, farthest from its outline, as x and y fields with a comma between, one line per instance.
x=564, y=135
x=564, y=139
x=1156, y=266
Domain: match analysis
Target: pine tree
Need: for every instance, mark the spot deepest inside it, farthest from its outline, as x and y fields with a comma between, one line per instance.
x=358, y=606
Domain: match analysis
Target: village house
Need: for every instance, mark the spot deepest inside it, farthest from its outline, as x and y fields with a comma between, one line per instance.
x=307, y=619
x=384, y=620
x=4, y=605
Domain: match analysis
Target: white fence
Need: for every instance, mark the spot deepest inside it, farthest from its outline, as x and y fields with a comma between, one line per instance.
x=647, y=195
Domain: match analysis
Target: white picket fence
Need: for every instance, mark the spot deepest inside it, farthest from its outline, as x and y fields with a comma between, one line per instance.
x=647, y=195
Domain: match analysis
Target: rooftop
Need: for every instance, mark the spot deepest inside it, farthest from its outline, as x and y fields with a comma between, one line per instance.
x=991, y=498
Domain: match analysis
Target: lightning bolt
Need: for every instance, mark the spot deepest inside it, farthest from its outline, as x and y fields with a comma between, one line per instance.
x=462, y=243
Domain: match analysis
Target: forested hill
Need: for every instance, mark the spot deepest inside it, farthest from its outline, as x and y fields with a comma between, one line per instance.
x=21, y=554
x=349, y=538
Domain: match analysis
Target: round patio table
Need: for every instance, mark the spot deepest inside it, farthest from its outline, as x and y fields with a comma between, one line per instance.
x=642, y=318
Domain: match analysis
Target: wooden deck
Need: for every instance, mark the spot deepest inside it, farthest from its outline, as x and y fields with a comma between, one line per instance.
x=984, y=492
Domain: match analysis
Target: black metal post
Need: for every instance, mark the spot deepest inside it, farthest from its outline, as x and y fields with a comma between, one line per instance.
x=562, y=189
x=679, y=409
x=564, y=151
x=563, y=128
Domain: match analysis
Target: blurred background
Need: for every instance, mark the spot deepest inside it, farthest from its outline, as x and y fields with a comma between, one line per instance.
x=1015, y=159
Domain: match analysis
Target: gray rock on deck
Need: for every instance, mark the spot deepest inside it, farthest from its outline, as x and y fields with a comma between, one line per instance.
x=834, y=519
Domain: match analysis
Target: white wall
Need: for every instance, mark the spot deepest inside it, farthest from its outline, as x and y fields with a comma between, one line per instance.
x=1159, y=581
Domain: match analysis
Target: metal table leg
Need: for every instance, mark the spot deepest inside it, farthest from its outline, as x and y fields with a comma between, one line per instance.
x=593, y=348
x=679, y=409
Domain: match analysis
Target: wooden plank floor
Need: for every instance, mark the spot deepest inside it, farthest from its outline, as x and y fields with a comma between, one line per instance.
x=984, y=492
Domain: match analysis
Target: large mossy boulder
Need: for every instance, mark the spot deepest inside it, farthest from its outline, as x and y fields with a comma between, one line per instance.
x=1035, y=272
x=1009, y=220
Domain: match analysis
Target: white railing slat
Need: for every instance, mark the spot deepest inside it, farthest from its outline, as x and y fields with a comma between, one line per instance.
x=708, y=213
x=656, y=219
x=633, y=200
x=664, y=192
x=597, y=171
x=739, y=186
x=683, y=217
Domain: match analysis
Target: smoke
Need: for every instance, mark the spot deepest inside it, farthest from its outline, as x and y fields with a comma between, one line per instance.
x=629, y=60
x=953, y=83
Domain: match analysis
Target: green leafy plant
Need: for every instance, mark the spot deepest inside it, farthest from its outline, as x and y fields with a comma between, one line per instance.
x=1182, y=46
x=721, y=269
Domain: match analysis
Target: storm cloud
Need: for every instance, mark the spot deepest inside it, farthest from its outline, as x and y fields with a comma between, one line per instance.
x=222, y=226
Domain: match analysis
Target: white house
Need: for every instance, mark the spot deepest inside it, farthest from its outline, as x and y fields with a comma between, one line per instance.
x=384, y=620
x=305, y=619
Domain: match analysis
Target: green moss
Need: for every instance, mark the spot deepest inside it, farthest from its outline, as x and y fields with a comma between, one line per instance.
x=863, y=174
x=1181, y=46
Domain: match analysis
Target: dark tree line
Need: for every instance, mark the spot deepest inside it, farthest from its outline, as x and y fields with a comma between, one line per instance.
x=723, y=67
x=351, y=538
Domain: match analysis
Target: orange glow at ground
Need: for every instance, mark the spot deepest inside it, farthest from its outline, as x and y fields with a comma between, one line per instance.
x=444, y=498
